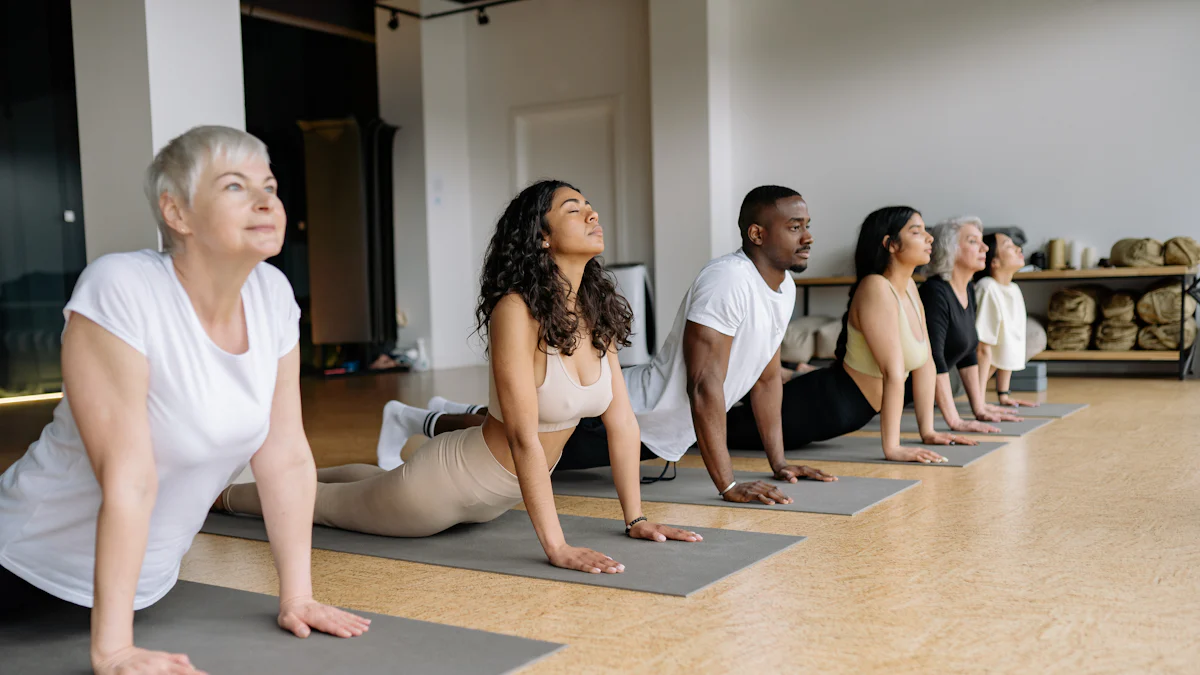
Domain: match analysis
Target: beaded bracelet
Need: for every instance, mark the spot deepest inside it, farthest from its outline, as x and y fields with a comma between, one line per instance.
x=633, y=522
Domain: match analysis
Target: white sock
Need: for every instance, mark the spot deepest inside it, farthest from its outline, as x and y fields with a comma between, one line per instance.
x=439, y=404
x=401, y=422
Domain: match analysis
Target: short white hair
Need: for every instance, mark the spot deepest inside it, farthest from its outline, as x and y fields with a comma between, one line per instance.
x=945, y=245
x=177, y=167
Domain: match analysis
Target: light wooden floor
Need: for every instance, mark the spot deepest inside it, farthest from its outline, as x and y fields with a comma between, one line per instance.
x=1075, y=549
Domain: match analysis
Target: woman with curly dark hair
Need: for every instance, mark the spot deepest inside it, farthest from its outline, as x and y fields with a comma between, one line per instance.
x=551, y=314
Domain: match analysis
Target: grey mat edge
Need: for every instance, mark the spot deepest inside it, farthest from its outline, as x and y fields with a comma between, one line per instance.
x=744, y=476
x=584, y=579
x=798, y=454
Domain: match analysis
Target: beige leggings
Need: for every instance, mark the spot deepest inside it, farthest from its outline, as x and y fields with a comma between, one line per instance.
x=451, y=479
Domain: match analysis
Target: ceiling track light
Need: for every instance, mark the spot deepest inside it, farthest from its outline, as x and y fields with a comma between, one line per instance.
x=481, y=17
x=394, y=22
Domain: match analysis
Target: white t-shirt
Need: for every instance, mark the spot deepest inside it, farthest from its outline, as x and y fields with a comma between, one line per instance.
x=1000, y=322
x=209, y=412
x=729, y=296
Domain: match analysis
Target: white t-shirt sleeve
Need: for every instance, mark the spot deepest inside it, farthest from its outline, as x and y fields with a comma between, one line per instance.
x=284, y=310
x=720, y=300
x=989, y=314
x=114, y=292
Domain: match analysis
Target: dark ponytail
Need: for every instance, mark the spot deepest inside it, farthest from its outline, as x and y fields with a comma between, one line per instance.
x=990, y=240
x=871, y=256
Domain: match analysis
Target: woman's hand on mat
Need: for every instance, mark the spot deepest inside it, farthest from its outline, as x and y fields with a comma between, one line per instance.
x=302, y=615
x=994, y=414
x=660, y=533
x=792, y=474
x=907, y=454
x=756, y=490
x=584, y=560
x=973, y=426
x=1016, y=402
x=136, y=661
x=942, y=438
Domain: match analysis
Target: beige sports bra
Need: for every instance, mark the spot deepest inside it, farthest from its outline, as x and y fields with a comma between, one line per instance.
x=916, y=352
x=562, y=402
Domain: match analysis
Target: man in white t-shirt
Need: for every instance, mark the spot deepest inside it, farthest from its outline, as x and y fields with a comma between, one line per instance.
x=724, y=345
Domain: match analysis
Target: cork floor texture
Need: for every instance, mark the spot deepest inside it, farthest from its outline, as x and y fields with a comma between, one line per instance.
x=1074, y=549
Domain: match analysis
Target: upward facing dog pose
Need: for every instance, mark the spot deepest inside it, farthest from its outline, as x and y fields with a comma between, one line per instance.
x=883, y=341
x=949, y=298
x=1000, y=316
x=553, y=321
x=724, y=344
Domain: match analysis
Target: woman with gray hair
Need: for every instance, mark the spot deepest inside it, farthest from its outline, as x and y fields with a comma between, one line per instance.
x=948, y=295
x=178, y=369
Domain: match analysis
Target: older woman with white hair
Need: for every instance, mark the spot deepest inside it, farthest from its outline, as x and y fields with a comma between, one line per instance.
x=948, y=296
x=178, y=369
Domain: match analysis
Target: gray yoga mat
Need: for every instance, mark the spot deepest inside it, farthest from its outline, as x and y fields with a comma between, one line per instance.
x=908, y=425
x=846, y=496
x=866, y=450
x=1051, y=410
x=228, y=631
x=509, y=545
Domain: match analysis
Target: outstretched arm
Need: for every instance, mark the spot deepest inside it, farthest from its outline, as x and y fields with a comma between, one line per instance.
x=287, y=478
x=706, y=357
x=625, y=456
x=514, y=343
x=766, y=400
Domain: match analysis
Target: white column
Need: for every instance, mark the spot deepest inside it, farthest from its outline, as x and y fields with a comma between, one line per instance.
x=695, y=215
x=401, y=102
x=145, y=72
x=453, y=255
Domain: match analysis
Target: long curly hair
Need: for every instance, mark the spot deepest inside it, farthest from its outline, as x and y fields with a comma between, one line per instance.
x=516, y=262
x=871, y=256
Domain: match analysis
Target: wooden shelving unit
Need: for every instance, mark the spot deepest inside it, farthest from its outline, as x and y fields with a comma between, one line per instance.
x=1097, y=355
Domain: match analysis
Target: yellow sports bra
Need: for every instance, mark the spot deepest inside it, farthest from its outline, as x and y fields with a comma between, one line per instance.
x=859, y=356
x=562, y=402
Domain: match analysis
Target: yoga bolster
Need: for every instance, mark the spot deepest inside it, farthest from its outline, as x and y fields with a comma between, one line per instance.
x=1068, y=337
x=1076, y=306
x=1182, y=251
x=1120, y=307
x=1137, y=253
x=1166, y=337
x=1116, y=336
x=1161, y=304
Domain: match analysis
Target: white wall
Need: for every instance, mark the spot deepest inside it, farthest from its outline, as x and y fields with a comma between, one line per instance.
x=1071, y=118
x=541, y=52
x=401, y=102
x=146, y=71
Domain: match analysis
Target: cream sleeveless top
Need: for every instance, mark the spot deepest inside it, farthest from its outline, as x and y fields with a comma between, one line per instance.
x=562, y=401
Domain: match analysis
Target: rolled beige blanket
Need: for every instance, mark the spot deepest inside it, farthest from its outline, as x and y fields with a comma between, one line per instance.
x=1166, y=337
x=1120, y=307
x=1075, y=306
x=1181, y=251
x=800, y=339
x=1068, y=337
x=1160, y=305
x=1116, y=336
x=1137, y=253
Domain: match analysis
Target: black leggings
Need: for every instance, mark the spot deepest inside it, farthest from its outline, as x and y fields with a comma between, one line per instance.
x=817, y=406
x=588, y=447
x=22, y=601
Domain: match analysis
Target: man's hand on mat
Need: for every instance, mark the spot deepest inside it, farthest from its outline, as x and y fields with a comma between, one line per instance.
x=973, y=426
x=584, y=560
x=943, y=438
x=757, y=491
x=794, y=473
x=301, y=615
x=906, y=454
x=136, y=661
x=660, y=533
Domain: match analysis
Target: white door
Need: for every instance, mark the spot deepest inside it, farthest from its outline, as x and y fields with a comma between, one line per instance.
x=577, y=143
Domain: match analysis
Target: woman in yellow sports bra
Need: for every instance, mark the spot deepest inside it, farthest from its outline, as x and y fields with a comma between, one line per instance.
x=883, y=339
x=553, y=320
